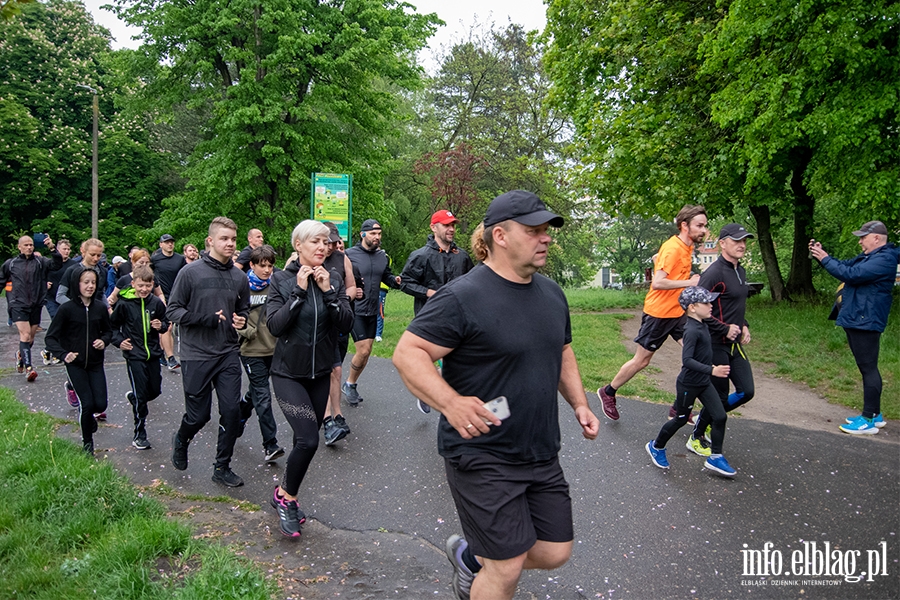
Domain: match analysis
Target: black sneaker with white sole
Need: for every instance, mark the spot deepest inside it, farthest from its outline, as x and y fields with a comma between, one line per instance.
x=274, y=452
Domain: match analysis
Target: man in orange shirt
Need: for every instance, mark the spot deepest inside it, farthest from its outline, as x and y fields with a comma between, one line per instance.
x=663, y=315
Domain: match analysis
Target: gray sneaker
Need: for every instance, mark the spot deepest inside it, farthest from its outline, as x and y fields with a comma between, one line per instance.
x=423, y=408
x=333, y=432
x=462, y=576
x=348, y=391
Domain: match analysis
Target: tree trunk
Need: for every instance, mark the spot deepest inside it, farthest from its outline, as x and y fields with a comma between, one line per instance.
x=767, y=250
x=800, y=277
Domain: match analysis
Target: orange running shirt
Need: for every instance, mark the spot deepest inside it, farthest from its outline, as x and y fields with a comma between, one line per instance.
x=675, y=258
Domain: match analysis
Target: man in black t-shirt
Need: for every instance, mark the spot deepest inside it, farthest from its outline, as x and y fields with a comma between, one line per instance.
x=502, y=330
x=166, y=264
x=254, y=240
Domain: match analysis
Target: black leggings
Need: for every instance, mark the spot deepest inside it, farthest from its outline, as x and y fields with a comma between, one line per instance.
x=90, y=385
x=865, y=345
x=684, y=402
x=303, y=403
x=741, y=376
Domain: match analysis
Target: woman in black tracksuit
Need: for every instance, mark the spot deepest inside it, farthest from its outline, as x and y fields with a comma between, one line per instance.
x=78, y=336
x=306, y=310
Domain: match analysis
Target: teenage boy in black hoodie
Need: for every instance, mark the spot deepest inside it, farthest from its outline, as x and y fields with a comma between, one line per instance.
x=78, y=336
x=139, y=318
x=210, y=301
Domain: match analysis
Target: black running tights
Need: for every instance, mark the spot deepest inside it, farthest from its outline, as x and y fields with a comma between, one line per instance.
x=864, y=345
x=303, y=403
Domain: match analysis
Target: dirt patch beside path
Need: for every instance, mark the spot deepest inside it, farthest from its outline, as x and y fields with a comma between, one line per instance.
x=776, y=400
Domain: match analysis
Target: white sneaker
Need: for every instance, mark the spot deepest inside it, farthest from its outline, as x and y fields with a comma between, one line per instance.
x=377, y=338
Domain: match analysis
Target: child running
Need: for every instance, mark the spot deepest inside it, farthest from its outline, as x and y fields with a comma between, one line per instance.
x=694, y=382
x=139, y=318
x=78, y=336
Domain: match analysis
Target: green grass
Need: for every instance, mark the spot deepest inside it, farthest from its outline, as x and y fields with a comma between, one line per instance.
x=802, y=345
x=71, y=527
x=797, y=339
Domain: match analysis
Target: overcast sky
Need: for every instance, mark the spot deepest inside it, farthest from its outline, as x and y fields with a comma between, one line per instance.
x=459, y=15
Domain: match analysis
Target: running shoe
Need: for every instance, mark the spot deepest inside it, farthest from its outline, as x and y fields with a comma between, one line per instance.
x=377, y=338
x=31, y=374
x=860, y=426
x=141, y=443
x=20, y=364
x=348, y=391
x=423, y=408
x=46, y=357
x=462, y=575
x=878, y=421
x=342, y=423
x=273, y=453
x=657, y=455
x=179, y=453
x=720, y=466
x=609, y=404
x=333, y=432
x=698, y=446
x=289, y=515
x=172, y=364
x=132, y=400
x=227, y=477
x=673, y=414
x=100, y=416
x=88, y=447
x=71, y=396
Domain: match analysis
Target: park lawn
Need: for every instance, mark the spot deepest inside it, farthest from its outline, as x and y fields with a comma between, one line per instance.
x=71, y=527
x=790, y=340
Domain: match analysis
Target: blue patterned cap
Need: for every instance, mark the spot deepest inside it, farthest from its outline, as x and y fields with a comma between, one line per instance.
x=696, y=295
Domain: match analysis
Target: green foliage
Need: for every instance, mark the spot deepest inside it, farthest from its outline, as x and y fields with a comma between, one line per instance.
x=71, y=526
x=291, y=87
x=629, y=243
x=11, y=8
x=46, y=128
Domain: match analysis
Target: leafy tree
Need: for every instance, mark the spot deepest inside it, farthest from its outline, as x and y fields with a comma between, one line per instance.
x=681, y=102
x=45, y=152
x=628, y=244
x=11, y=8
x=292, y=87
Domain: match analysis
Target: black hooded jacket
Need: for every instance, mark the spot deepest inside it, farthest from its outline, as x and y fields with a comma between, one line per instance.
x=131, y=320
x=29, y=276
x=76, y=326
x=306, y=323
x=429, y=268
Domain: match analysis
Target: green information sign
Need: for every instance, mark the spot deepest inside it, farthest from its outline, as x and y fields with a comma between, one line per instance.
x=332, y=200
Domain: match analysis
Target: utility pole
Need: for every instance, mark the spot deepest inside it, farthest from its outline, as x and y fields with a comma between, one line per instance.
x=95, y=233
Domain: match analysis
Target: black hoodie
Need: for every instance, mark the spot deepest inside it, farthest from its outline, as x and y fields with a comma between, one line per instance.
x=131, y=319
x=76, y=326
x=201, y=289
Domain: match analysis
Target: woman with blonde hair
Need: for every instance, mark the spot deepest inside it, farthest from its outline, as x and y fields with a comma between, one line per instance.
x=306, y=309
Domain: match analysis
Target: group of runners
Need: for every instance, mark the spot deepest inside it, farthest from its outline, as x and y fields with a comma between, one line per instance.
x=489, y=349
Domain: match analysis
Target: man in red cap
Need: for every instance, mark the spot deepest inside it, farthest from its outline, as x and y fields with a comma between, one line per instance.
x=438, y=262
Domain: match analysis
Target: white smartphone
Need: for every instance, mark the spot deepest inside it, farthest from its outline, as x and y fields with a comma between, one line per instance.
x=499, y=406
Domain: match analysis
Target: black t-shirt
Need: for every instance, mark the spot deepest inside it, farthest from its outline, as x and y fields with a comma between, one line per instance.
x=165, y=269
x=507, y=340
x=696, y=355
x=124, y=268
x=244, y=258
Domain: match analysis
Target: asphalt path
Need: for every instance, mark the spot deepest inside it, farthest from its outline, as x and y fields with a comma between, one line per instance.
x=379, y=499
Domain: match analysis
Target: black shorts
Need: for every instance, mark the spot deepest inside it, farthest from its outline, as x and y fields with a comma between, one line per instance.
x=29, y=314
x=654, y=331
x=364, y=327
x=504, y=508
x=340, y=349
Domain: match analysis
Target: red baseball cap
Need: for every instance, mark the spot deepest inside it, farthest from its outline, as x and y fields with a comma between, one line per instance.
x=444, y=217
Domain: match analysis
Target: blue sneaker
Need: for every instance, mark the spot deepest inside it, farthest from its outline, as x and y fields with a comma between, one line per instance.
x=860, y=426
x=720, y=466
x=878, y=421
x=658, y=456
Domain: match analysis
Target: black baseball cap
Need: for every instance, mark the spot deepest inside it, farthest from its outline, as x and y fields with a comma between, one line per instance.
x=370, y=225
x=871, y=227
x=166, y=238
x=522, y=207
x=735, y=232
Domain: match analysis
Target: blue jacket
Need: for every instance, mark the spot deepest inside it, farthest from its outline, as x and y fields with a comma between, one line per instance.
x=868, y=280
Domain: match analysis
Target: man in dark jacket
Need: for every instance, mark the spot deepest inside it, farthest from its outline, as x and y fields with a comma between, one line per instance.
x=373, y=266
x=28, y=273
x=210, y=301
x=166, y=265
x=865, y=304
x=728, y=328
x=430, y=267
x=438, y=262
